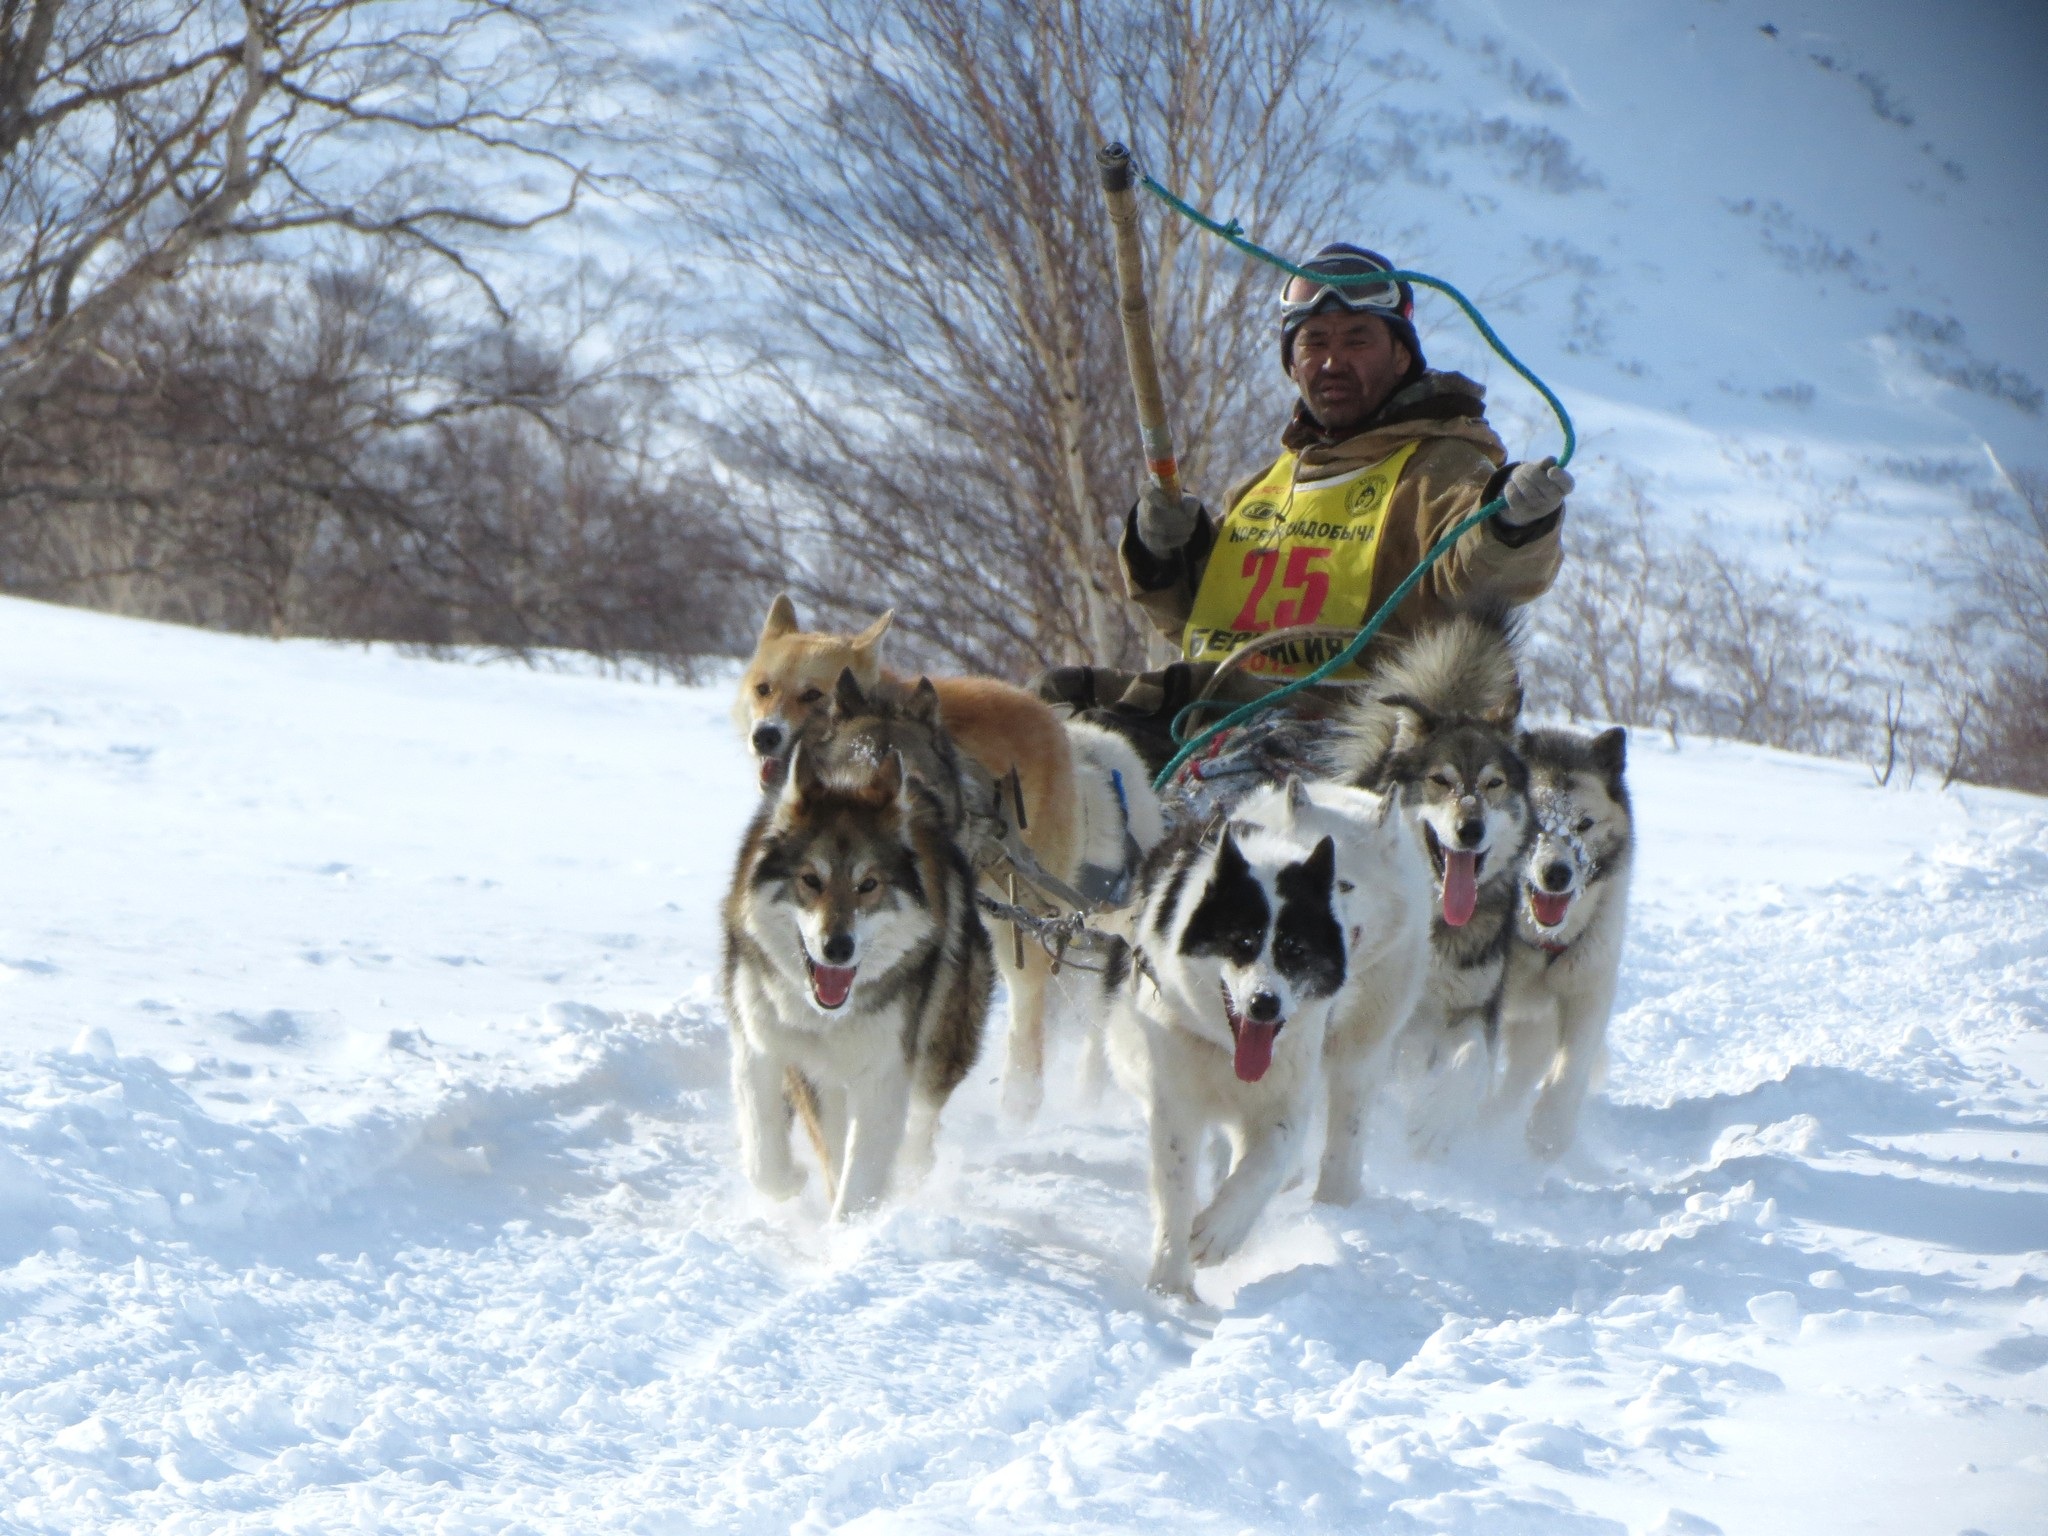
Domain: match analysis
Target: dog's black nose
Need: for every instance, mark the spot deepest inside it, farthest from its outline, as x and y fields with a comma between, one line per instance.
x=766, y=739
x=1557, y=876
x=1472, y=833
x=839, y=949
x=1264, y=1008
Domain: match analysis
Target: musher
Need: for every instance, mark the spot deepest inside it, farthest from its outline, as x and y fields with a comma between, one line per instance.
x=1381, y=457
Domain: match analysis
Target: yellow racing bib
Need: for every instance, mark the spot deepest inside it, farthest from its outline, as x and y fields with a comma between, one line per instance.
x=1290, y=555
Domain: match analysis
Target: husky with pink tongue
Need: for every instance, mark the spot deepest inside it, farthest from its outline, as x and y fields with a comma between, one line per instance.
x=1217, y=1012
x=1433, y=734
x=1569, y=926
x=857, y=974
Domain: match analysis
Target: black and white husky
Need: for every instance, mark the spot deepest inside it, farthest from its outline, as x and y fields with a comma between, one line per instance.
x=1570, y=918
x=1384, y=896
x=1434, y=732
x=1217, y=1012
x=857, y=973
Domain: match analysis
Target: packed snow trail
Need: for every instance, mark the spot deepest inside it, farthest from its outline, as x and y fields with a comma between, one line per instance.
x=366, y=1164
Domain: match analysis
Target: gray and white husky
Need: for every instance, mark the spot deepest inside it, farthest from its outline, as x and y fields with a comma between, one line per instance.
x=1217, y=1012
x=1570, y=918
x=857, y=974
x=1434, y=733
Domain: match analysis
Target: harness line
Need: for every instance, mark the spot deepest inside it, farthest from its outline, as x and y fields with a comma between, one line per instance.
x=1233, y=232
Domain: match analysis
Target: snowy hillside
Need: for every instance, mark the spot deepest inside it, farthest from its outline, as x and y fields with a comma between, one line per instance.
x=1783, y=261
x=365, y=1165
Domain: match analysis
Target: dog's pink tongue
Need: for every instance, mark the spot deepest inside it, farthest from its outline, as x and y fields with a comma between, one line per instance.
x=1461, y=887
x=831, y=983
x=1550, y=910
x=1254, y=1049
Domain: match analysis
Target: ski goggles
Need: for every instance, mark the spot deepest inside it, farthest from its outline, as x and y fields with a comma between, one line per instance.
x=1301, y=297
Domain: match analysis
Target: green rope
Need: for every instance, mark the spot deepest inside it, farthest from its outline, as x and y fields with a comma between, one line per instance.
x=1234, y=233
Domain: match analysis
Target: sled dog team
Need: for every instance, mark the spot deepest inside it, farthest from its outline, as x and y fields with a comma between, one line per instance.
x=1444, y=912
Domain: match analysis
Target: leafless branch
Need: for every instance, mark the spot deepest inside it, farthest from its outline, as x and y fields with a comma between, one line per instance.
x=935, y=413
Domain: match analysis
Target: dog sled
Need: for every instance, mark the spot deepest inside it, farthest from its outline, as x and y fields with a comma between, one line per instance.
x=1254, y=744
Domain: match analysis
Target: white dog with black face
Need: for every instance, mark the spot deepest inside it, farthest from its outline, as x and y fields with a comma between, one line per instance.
x=1385, y=893
x=1216, y=1018
x=1570, y=918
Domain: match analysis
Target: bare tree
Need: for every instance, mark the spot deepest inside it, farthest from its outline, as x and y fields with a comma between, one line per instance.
x=136, y=135
x=1771, y=668
x=1647, y=628
x=935, y=413
x=1612, y=638
x=329, y=454
x=1989, y=665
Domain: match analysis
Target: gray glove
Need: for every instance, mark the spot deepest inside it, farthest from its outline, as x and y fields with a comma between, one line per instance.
x=1165, y=525
x=1534, y=491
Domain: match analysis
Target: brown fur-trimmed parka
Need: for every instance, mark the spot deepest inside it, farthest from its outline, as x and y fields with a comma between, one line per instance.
x=1459, y=465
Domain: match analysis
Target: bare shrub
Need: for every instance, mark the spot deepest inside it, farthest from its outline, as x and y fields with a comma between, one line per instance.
x=936, y=413
x=1648, y=629
x=330, y=456
x=1989, y=666
x=1768, y=665
x=1612, y=638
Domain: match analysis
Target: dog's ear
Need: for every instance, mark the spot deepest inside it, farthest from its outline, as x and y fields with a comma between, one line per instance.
x=781, y=618
x=1418, y=719
x=1407, y=703
x=1297, y=796
x=886, y=787
x=1231, y=863
x=1507, y=711
x=847, y=699
x=923, y=704
x=1610, y=754
x=1321, y=866
x=800, y=782
x=871, y=638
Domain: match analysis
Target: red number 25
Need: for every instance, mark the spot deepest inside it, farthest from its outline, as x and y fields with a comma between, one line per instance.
x=1314, y=587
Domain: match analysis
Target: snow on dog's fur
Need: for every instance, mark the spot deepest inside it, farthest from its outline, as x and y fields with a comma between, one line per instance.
x=857, y=975
x=1383, y=898
x=1083, y=789
x=1433, y=734
x=1217, y=1017
x=1569, y=922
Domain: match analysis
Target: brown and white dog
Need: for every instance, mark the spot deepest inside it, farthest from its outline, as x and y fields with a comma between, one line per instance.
x=1090, y=812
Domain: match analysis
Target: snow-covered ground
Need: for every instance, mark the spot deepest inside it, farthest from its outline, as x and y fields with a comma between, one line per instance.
x=365, y=1165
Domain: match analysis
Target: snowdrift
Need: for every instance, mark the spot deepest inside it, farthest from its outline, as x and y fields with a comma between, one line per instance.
x=365, y=1164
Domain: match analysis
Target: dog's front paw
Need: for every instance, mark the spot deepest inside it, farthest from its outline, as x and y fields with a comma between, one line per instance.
x=1433, y=1129
x=1221, y=1229
x=1023, y=1096
x=1171, y=1277
x=1551, y=1130
x=785, y=1182
x=1339, y=1185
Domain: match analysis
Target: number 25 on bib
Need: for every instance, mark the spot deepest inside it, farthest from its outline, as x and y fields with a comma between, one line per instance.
x=1292, y=555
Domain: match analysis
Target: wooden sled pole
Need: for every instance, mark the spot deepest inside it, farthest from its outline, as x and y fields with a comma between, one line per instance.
x=1119, y=184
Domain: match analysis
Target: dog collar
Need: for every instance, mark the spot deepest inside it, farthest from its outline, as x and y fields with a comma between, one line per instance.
x=1552, y=949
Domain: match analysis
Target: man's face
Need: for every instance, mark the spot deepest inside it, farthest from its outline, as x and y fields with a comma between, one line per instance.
x=1345, y=366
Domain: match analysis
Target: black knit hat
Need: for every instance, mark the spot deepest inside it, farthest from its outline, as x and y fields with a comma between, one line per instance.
x=1393, y=303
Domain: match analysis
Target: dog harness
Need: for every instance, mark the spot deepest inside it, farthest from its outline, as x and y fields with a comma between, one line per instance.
x=1291, y=555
